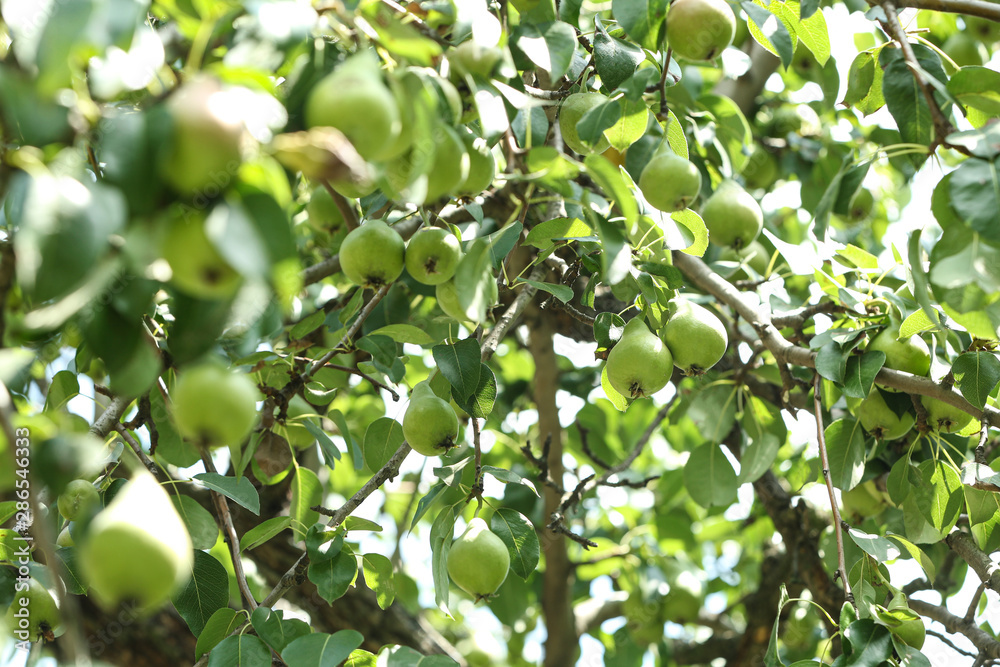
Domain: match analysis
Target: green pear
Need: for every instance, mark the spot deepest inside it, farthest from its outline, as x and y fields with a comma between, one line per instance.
x=372, y=255
x=732, y=215
x=355, y=100
x=695, y=337
x=33, y=613
x=700, y=29
x=213, y=406
x=197, y=268
x=640, y=363
x=430, y=424
x=963, y=49
x=878, y=418
x=432, y=255
x=478, y=560
x=482, y=165
x=910, y=355
x=322, y=211
x=451, y=164
x=204, y=153
x=863, y=501
x=944, y=417
x=473, y=59
x=572, y=109
x=78, y=499
x=669, y=182
x=137, y=547
x=983, y=29
x=754, y=255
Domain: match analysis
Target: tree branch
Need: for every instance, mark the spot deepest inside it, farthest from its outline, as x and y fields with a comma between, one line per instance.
x=512, y=314
x=784, y=352
x=987, y=645
x=986, y=10
x=837, y=529
x=106, y=422
x=980, y=562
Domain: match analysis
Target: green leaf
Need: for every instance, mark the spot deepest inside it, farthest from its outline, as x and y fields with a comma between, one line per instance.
x=480, y=402
x=917, y=554
x=904, y=98
x=617, y=400
x=62, y=388
x=608, y=328
x=763, y=425
x=616, y=60
x=975, y=194
x=240, y=490
x=382, y=439
x=845, y=447
x=977, y=87
x=643, y=20
x=331, y=452
x=544, y=234
x=509, y=477
x=460, y=364
x=378, y=577
x=696, y=226
x=561, y=292
x=425, y=502
x=616, y=254
x=768, y=30
x=939, y=498
x=242, y=650
x=503, y=241
x=916, y=322
x=591, y=126
x=200, y=523
x=334, y=576
x=520, y=538
x=709, y=476
x=879, y=548
x=976, y=373
x=548, y=45
x=771, y=658
x=861, y=79
x=307, y=492
x=353, y=447
x=611, y=181
x=320, y=649
x=308, y=324
x=630, y=126
x=732, y=131
x=404, y=333
x=221, y=624
x=205, y=593
x=275, y=630
x=860, y=373
x=870, y=644
x=442, y=535
x=264, y=531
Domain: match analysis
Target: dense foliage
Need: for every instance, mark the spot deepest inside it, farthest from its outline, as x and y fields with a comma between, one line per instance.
x=500, y=332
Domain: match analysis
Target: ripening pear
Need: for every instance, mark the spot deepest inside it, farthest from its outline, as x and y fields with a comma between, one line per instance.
x=137, y=548
x=696, y=338
x=910, y=355
x=478, y=560
x=214, y=406
x=432, y=255
x=670, y=182
x=700, y=29
x=430, y=424
x=732, y=215
x=944, y=417
x=640, y=363
x=33, y=613
x=571, y=111
x=372, y=255
x=878, y=418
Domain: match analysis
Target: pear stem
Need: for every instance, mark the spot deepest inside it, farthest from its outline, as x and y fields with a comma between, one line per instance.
x=838, y=531
x=344, y=206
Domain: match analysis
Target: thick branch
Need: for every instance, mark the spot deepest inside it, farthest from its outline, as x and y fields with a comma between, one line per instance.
x=987, y=645
x=980, y=562
x=986, y=10
x=704, y=278
x=106, y=422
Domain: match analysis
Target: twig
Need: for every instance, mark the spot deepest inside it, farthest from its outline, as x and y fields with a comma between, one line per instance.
x=796, y=318
x=970, y=614
x=360, y=373
x=385, y=473
x=344, y=206
x=106, y=422
x=944, y=639
x=222, y=507
x=511, y=315
x=838, y=530
x=585, y=445
x=558, y=525
x=662, y=87
x=477, y=485
x=137, y=449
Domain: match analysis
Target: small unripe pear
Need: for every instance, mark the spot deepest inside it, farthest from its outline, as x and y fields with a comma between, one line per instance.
x=478, y=560
x=213, y=406
x=137, y=547
x=640, y=363
x=910, y=355
x=878, y=418
x=944, y=417
x=571, y=111
x=697, y=339
x=732, y=215
x=430, y=424
x=669, y=182
x=34, y=611
x=432, y=255
x=700, y=29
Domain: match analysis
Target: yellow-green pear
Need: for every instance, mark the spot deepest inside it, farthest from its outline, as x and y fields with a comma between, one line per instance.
x=571, y=111
x=669, y=182
x=137, y=548
x=372, y=255
x=696, y=338
x=430, y=424
x=213, y=406
x=478, y=560
x=733, y=216
x=640, y=363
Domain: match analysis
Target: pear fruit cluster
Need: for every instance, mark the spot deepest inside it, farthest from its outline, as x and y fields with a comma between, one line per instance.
x=478, y=560
x=641, y=363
